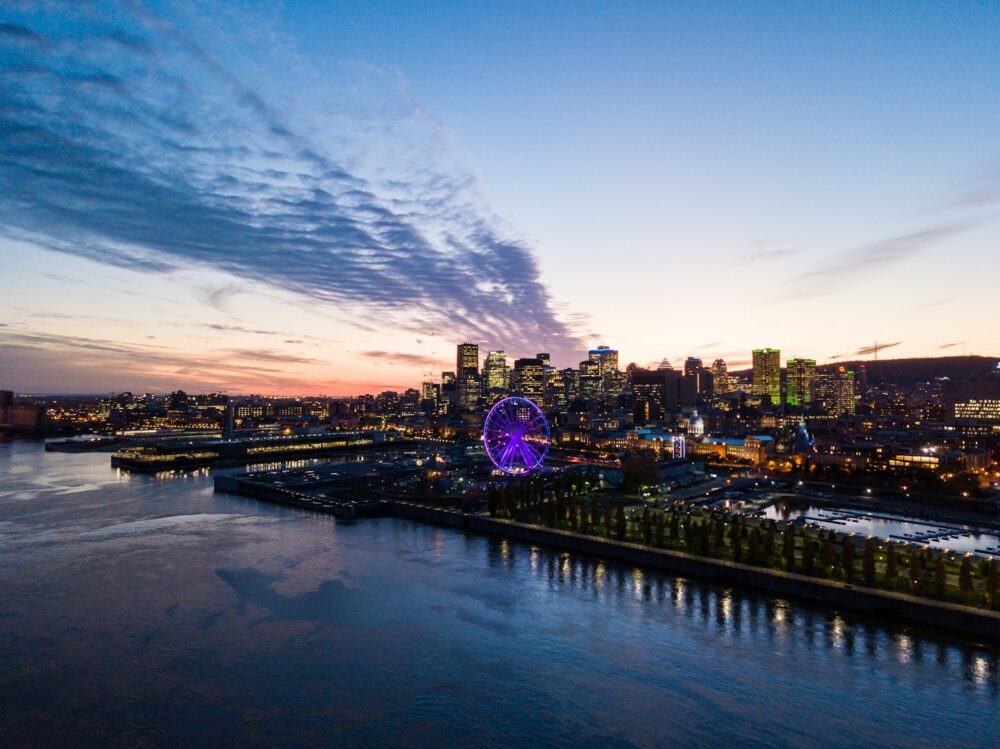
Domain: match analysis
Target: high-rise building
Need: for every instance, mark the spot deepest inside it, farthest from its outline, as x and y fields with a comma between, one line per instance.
x=590, y=379
x=695, y=370
x=799, y=381
x=469, y=386
x=835, y=390
x=720, y=378
x=468, y=358
x=496, y=374
x=527, y=379
x=606, y=359
x=767, y=374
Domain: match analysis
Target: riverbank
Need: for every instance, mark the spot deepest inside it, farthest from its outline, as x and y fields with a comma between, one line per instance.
x=978, y=622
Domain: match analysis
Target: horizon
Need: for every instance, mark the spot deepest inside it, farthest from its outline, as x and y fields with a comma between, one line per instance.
x=302, y=199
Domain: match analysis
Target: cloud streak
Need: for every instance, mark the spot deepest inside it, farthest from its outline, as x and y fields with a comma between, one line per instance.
x=133, y=146
x=850, y=266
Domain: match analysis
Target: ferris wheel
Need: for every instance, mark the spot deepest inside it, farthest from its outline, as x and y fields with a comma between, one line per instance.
x=516, y=435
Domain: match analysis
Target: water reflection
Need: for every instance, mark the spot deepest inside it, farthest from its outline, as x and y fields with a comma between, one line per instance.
x=743, y=616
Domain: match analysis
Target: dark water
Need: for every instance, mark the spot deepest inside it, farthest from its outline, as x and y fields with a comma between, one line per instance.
x=137, y=611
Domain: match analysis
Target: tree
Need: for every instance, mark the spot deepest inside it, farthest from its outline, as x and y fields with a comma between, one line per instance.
x=735, y=541
x=808, y=555
x=661, y=530
x=826, y=553
x=607, y=520
x=868, y=563
x=752, y=541
x=965, y=578
x=647, y=526
x=993, y=583
x=847, y=558
x=574, y=520
x=720, y=538
x=675, y=526
x=769, y=543
x=703, y=539
x=788, y=547
x=915, y=571
x=891, y=571
x=939, y=577
x=620, y=523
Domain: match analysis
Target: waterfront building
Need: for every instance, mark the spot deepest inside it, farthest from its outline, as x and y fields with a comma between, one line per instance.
x=801, y=374
x=767, y=374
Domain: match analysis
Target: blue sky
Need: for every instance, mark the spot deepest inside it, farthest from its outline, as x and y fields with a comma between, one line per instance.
x=363, y=184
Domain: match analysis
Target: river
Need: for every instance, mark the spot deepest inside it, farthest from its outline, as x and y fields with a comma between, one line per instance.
x=143, y=611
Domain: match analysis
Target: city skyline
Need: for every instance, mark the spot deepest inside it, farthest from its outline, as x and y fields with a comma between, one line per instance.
x=249, y=201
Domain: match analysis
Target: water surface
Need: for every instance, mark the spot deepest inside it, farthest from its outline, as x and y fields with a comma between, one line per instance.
x=142, y=611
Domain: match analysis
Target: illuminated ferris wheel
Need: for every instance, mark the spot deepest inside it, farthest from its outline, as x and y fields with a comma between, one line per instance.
x=516, y=435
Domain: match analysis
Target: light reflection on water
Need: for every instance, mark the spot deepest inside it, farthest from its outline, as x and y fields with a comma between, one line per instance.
x=209, y=619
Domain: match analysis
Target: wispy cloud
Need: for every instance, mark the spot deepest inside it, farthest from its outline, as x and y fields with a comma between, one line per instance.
x=952, y=345
x=403, y=358
x=875, y=348
x=844, y=268
x=132, y=145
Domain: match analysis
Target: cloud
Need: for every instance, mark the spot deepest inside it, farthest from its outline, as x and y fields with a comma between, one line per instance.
x=403, y=358
x=769, y=256
x=844, y=268
x=134, y=146
x=952, y=345
x=240, y=329
x=875, y=348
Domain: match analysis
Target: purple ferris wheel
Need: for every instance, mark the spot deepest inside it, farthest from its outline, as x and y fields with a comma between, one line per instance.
x=516, y=435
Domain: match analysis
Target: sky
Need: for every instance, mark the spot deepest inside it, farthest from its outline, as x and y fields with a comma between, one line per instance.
x=324, y=198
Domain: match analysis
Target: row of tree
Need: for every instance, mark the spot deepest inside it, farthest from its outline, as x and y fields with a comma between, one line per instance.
x=778, y=545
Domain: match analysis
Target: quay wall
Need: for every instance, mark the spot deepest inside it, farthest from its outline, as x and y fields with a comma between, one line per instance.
x=981, y=623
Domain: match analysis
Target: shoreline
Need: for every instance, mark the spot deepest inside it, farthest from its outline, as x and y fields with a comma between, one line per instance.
x=969, y=620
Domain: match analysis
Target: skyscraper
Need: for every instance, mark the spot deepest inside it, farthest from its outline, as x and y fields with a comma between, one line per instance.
x=469, y=386
x=720, y=378
x=527, y=379
x=695, y=370
x=606, y=359
x=799, y=381
x=468, y=358
x=767, y=374
x=836, y=391
x=496, y=374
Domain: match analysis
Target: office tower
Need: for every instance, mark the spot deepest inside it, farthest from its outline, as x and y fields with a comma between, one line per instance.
x=590, y=379
x=799, y=381
x=496, y=374
x=430, y=391
x=449, y=390
x=467, y=358
x=544, y=358
x=469, y=387
x=835, y=390
x=606, y=359
x=695, y=370
x=767, y=374
x=527, y=379
x=554, y=395
x=720, y=378
x=571, y=382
